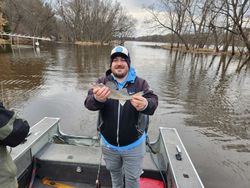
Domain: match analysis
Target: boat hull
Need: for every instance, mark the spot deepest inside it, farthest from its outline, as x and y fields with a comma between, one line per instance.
x=49, y=153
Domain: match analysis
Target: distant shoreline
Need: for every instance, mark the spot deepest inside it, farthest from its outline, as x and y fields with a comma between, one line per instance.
x=167, y=47
x=203, y=51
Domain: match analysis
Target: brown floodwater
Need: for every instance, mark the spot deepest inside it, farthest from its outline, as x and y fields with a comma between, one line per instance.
x=206, y=101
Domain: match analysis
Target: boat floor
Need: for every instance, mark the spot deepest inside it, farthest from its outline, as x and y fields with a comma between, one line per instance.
x=54, y=159
x=43, y=157
x=38, y=184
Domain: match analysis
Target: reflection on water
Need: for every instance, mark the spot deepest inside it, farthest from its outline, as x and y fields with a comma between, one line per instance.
x=216, y=102
x=208, y=103
x=20, y=78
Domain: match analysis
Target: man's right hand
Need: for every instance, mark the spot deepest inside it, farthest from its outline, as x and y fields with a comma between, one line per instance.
x=101, y=94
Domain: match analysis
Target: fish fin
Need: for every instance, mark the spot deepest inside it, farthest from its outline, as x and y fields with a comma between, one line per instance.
x=124, y=91
x=140, y=93
x=111, y=85
x=95, y=85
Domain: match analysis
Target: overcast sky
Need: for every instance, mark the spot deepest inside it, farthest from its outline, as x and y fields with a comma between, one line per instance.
x=135, y=8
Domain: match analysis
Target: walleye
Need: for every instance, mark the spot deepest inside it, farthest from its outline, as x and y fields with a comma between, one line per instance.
x=121, y=95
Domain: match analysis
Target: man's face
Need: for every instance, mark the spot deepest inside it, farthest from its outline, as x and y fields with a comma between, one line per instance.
x=119, y=67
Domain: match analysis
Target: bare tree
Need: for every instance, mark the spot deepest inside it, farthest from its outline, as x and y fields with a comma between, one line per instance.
x=200, y=14
x=2, y=20
x=30, y=17
x=124, y=26
x=94, y=20
x=225, y=24
x=239, y=19
x=171, y=16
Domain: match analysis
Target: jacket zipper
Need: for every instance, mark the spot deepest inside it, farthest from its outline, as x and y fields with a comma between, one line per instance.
x=118, y=125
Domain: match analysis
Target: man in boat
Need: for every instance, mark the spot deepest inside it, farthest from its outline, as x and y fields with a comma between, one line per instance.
x=12, y=132
x=122, y=135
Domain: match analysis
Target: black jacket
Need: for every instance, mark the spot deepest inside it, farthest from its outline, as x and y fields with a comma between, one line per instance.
x=13, y=130
x=120, y=123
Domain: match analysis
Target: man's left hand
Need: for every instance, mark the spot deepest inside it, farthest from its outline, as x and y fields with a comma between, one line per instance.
x=139, y=102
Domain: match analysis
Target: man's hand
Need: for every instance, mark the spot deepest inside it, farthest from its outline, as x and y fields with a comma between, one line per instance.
x=101, y=93
x=139, y=102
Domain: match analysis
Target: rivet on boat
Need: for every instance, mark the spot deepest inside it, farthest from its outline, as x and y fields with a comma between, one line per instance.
x=78, y=169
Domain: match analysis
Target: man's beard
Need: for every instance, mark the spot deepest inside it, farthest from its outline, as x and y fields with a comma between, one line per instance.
x=120, y=75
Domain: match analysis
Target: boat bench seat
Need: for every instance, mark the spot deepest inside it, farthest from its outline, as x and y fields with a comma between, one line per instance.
x=80, y=164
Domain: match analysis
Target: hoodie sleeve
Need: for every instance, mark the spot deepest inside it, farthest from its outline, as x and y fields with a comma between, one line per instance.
x=90, y=102
x=151, y=97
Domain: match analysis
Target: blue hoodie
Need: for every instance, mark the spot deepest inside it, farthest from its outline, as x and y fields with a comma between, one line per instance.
x=130, y=78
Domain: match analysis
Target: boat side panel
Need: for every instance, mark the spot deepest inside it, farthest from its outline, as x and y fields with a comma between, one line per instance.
x=182, y=173
x=40, y=134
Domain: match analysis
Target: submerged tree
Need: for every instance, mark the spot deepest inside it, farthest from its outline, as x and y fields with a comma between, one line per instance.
x=170, y=15
x=222, y=25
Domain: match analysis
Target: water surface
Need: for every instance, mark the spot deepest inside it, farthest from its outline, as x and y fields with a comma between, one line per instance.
x=209, y=107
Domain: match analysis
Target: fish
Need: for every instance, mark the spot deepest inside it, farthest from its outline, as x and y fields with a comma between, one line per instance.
x=121, y=95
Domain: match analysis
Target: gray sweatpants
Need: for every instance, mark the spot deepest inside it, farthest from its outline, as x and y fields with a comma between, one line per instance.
x=128, y=163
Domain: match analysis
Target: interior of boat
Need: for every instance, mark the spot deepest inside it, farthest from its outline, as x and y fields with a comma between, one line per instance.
x=51, y=158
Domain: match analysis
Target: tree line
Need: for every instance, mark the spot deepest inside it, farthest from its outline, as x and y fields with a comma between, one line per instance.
x=194, y=24
x=67, y=20
x=223, y=20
